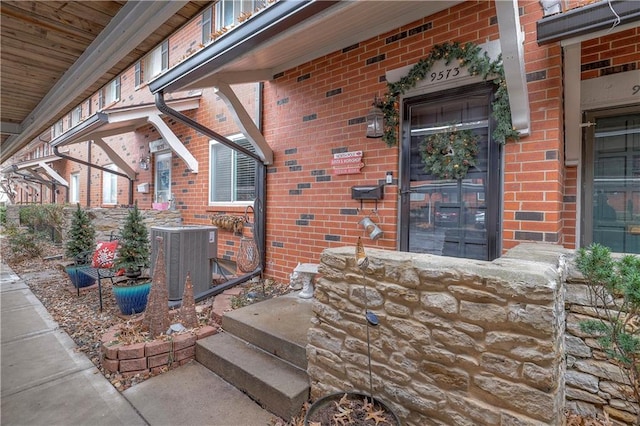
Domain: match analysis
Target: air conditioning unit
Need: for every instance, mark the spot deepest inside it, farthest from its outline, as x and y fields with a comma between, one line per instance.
x=187, y=249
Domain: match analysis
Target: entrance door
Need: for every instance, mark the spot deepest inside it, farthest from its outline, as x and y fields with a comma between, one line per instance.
x=450, y=217
x=163, y=177
x=611, y=197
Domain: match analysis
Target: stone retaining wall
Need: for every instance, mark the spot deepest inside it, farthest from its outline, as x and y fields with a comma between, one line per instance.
x=593, y=384
x=107, y=220
x=459, y=341
x=154, y=356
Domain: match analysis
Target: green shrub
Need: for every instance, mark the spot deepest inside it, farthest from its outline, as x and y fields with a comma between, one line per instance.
x=22, y=243
x=3, y=215
x=43, y=218
x=614, y=288
x=82, y=235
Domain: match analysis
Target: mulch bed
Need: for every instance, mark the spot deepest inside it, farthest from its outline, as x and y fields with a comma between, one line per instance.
x=80, y=316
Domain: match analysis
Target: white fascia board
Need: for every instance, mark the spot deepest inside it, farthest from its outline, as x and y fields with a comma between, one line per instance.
x=512, y=46
x=53, y=174
x=245, y=123
x=141, y=112
x=173, y=141
x=236, y=77
x=117, y=160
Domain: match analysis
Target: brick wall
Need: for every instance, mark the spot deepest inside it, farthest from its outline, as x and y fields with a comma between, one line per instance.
x=318, y=109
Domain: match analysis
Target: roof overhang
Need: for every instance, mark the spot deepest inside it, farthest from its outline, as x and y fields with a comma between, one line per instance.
x=35, y=169
x=287, y=34
x=122, y=120
x=135, y=22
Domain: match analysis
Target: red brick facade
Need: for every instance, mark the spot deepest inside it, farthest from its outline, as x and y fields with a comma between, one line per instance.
x=315, y=110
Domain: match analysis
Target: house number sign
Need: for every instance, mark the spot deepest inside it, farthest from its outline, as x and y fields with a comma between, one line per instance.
x=347, y=163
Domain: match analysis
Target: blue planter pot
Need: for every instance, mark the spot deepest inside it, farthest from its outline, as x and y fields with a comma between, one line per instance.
x=78, y=279
x=132, y=299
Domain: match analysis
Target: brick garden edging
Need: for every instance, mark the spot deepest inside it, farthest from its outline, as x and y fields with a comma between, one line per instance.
x=149, y=357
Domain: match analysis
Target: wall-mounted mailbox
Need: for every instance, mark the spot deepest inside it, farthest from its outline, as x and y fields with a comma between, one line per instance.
x=369, y=192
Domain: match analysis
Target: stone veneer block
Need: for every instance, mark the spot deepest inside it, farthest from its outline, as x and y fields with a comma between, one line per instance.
x=111, y=365
x=158, y=360
x=135, y=350
x=157, y=347
x=182, y=354
x=110, y=352
x=206, y=331
x=133, y=364
x=182, y=341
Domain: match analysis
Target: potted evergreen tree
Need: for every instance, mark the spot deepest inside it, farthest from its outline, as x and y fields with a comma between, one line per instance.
x=133, y=256
x=81, y=242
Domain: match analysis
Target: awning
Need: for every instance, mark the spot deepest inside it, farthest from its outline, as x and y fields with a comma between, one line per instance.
x=122, y=120
x=289, y=34
x=37, y=170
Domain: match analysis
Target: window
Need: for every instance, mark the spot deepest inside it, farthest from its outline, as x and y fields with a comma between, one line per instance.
x=228, y=11
x=110, y=185
x=206, y=26
x=232, y=174
x=153, y=64
x=56, y=130
x=74, y=188
x=137, y=71
x=109, y=94
x=76, y=116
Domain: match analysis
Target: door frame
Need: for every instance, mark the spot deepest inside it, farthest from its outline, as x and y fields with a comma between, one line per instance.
x=493, y=199
x=586, y=172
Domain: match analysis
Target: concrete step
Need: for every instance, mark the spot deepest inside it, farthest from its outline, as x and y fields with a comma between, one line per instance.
x=275, y=384
x=278, y=326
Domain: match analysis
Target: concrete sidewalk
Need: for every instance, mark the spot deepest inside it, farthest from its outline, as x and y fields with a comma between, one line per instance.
x=44, y=381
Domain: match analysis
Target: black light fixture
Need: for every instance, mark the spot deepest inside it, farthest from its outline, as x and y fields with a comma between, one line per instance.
x=375, y=119
x=144, y=163
x=144, y=160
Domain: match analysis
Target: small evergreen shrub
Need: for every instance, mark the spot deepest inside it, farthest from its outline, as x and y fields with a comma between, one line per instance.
x=614, y=288
x=82, y=236
x=133, y=250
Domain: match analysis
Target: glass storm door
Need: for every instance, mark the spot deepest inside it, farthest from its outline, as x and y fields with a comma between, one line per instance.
x=163, y=177
x=450, y=217
x=611, y=214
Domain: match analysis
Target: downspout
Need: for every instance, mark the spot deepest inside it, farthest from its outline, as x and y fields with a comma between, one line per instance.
x=89, y=144
x=104, y=169
x=261, y=173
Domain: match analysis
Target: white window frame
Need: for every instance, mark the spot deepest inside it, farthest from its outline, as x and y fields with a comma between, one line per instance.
x=110, y=186
x=215, y=145
x=109, y=93
x=74, y=188
x=206, y=25
x=155, y=63
x=228, y=11
x=76, y=116
x=56, y=129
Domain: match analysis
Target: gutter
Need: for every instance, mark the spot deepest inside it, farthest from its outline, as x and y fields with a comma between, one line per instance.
x=603, y=15
x=267, y=24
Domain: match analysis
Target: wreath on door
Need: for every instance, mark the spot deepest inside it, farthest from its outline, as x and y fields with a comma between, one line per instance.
x=477, y=62
x=449, y=155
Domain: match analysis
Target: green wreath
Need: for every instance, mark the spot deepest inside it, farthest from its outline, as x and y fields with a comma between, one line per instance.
x=468, y=55
x=449, y=154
